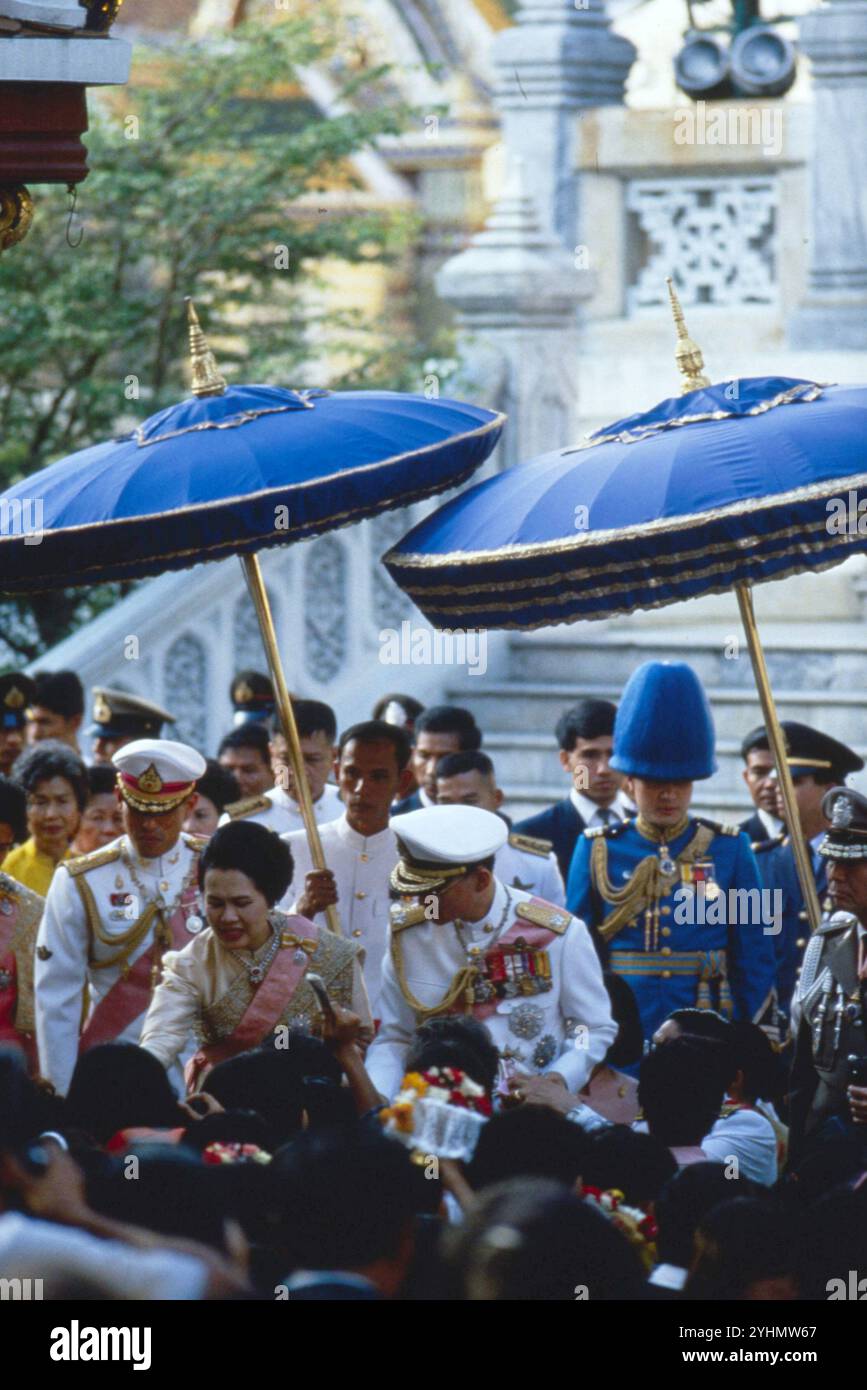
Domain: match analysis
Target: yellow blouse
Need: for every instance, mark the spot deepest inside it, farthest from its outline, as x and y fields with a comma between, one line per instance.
x=31, y=867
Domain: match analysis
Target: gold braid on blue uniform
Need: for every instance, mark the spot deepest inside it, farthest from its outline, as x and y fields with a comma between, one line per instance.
x=647, y=886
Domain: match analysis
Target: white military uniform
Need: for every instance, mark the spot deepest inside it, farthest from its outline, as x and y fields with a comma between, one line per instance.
x=527, y=863
x=68, y=947
x=571, y=1025
x=361, y=867
x=276, y=810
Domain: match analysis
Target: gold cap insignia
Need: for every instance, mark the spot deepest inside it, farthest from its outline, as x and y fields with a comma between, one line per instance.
x=244, y=693
x=102, y=710
x=150, y=781
x=15, y=698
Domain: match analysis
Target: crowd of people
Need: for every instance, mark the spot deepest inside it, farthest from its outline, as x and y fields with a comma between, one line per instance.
x=598, y=1054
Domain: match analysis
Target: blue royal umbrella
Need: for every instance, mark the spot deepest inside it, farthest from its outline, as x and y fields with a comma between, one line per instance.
x=234, y=470
x=231, y=471
x=719, y=488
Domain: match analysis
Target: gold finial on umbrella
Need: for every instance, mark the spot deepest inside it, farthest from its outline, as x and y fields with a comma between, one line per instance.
x=207, y=379
x=687, y=354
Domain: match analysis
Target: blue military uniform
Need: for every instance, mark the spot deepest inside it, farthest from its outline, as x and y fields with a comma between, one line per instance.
x=661, y=901
x=656, y=939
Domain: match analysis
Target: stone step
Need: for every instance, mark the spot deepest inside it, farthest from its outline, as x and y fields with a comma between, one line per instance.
x=531, y=760
x=516, y=706
x=587, y=653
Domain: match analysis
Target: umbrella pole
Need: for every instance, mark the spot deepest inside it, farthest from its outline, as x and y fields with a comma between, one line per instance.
x=259, y=595
x=778, y=748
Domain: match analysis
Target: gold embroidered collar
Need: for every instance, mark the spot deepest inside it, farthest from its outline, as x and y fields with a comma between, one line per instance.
x=660, y=836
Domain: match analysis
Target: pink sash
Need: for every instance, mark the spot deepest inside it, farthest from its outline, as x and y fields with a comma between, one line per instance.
x=265, y=1009
x=537, y=938
x=130, y=995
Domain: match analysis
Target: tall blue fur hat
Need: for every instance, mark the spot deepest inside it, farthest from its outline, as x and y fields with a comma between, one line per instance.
x=664, y=728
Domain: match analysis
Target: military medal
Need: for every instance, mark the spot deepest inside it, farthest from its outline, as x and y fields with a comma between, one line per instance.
x=526, y=1020
x=545, y=1051
x=701, y=872
x=666, y=863
x=193, y=923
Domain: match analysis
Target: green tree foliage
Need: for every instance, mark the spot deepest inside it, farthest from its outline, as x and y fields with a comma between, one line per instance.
x=204, y=181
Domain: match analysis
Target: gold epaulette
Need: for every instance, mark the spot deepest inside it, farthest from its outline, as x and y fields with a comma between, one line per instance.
x=615, y=828
x=83, y=863
x=717, y=827
x=403, y=915
x=248, y=807
x=530, y=844
x=195, y=842
x=556, y=919
x=773, y=842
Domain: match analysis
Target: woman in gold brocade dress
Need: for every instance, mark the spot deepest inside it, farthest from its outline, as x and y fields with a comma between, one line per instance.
x=243, y=974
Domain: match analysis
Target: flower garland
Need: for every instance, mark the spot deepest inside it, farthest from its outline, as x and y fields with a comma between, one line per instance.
x=230, y=1151
x=442, y=1085
x=638, y=1226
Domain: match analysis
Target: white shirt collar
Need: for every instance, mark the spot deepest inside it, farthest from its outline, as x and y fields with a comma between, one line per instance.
x=772, y=824
x=282, y=798
x=496, y=915
x=161, y=866
x=425, y=799
x=368, y=843
x=590, y=812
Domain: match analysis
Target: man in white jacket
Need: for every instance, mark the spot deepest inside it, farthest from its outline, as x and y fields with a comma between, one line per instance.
x=468, y=943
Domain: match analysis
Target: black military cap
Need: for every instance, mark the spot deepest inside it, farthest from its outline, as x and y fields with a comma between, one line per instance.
x=252, y=696
x=809, y=751
x=118, y=714
x=16, y=694
x=847, y=812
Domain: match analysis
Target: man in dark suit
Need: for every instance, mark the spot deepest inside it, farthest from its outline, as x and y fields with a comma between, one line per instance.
x=584, y=734
x=439, y=730
x=761, y=779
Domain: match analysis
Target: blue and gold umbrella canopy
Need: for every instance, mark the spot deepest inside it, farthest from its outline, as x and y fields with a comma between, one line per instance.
x=231, y=471
x=744, y=481
x=716, y=489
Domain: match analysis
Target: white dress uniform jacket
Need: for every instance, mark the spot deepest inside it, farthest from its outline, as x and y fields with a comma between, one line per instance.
x=361, y=868
x=575, y=1015
x=65, y=946
x=276, y=810
x=534, y=870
